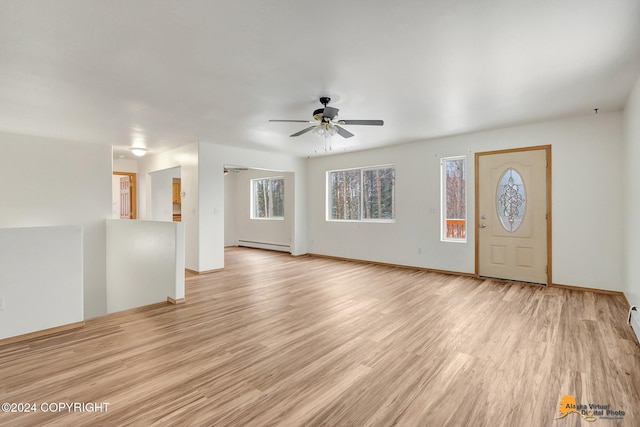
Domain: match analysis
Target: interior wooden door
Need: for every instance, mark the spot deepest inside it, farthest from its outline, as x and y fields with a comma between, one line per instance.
x=132, y=201
x=513, y=215
x=125, y=198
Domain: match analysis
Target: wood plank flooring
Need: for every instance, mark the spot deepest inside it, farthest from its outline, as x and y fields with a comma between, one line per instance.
x=278, y=340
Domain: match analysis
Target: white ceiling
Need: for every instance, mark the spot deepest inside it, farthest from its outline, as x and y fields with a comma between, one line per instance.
x=169, y=72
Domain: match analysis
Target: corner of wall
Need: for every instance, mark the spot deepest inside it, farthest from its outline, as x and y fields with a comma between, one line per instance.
x=631, y=195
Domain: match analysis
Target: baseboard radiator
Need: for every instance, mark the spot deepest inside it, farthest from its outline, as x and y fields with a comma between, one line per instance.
x=634, y=320
x=264, y=245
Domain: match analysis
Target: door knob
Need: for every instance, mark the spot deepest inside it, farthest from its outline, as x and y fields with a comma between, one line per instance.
x=483, y=226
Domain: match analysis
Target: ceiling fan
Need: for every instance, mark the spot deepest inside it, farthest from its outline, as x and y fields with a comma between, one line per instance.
x=233, y=169
x=326, y=123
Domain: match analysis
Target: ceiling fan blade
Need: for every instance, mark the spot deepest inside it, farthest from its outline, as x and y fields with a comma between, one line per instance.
x=361, y=122
x=343, y=132
x=303, y=131
x=330, y=112
x=292, y=121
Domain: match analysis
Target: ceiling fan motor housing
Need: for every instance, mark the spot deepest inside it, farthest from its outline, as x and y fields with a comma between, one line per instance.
x=319, y=113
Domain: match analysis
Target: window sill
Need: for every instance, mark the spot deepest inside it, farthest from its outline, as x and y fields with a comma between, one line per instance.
x=269, y=219
x=364, y=221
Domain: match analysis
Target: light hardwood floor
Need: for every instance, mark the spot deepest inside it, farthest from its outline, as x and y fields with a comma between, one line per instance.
x=278, y=340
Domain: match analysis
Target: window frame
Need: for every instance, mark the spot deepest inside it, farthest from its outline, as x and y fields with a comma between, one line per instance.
x=252, y=193
x=362, y=170
x=443, y=201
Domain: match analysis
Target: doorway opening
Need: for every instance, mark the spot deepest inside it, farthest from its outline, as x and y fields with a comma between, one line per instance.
x=177, y=199
x=124, y=195
x=166, y=194
x=259, y=209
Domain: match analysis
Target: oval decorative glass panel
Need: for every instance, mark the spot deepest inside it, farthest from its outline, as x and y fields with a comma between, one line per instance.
x=510, y=200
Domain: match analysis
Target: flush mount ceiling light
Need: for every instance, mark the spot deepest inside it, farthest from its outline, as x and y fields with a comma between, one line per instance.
x=138, y=151
x=138, y=141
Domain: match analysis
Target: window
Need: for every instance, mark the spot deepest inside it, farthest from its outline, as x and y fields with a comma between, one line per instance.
x=454, y=203
x=344, y=195
x=267, y=198
x=366, y=194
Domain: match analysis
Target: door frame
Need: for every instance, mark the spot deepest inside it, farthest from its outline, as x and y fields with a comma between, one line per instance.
x=133, y=192
x=547, y=149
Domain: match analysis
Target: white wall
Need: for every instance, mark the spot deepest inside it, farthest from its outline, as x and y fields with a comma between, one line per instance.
x=277, y=232
x=586, y=154
x=145, y=263
x=125, y=165
x=40, y=278
x=230, y=238
x=162, y=193
x=186, y=158
x=52, y=182
x=631, y=205
x=115, y=196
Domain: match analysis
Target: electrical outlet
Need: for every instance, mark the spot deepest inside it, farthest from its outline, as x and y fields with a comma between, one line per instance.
x=1, y=303
x=419, y=251
x=432, y=211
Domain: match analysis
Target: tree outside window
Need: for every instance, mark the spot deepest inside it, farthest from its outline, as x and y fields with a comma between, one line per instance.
x=268, y=198
x=454, y=224
x=361, y=194
x=378, y=193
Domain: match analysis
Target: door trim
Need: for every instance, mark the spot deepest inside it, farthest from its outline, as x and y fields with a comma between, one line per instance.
x=547, y=149
x=133, y=192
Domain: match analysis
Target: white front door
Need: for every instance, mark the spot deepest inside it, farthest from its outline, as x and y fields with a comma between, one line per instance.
x=513, y=215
